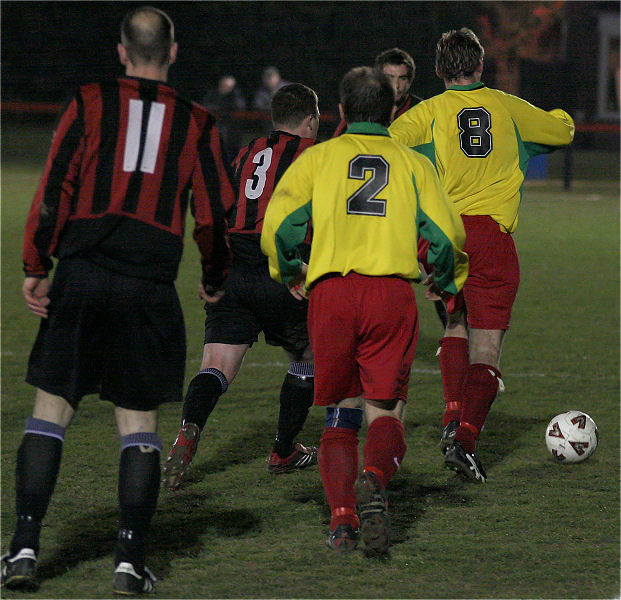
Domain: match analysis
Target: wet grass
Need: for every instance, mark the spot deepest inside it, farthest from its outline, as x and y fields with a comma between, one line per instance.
x=536, y=530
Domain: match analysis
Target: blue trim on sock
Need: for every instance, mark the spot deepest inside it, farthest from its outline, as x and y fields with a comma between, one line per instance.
x=42, y=427
x=142, y=438
x=219, y=374
x=302, y=369
x=349, y=418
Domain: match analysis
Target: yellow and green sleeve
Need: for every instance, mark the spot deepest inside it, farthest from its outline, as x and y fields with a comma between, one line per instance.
x=439, y=223
x=286, y=219
x=414, y=128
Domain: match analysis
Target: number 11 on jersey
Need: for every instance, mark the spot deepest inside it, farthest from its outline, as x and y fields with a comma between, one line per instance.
x=134, y=136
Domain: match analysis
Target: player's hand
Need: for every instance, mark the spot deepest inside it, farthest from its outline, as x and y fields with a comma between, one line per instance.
x=432, y=296
x=209, y=294
x=433, y=291
x=35, y=291
x=297, y=285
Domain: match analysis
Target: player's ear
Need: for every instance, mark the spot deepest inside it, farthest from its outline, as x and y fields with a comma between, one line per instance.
x=122, y=54
x=172, y=54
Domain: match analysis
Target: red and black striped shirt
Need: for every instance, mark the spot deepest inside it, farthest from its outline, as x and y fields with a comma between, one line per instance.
x=257, y=169
x=410, y=101
x=117, y=181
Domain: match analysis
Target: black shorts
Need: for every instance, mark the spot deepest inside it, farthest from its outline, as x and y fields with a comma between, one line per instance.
x=254, y=302
x=110, y=333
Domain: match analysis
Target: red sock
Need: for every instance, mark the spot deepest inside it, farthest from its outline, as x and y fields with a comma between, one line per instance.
x=480, y=389
x=338, y=465
x=384, y=448
x=453, y=366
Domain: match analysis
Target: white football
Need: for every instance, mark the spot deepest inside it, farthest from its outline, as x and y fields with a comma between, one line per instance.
x=571, y=437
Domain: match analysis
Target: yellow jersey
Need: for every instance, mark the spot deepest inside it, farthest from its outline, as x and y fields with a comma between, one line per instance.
x=369, y=198
x=480, y=141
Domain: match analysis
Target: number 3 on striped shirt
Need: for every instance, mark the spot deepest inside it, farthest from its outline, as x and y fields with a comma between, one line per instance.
x=151, y=143
x=255, y=185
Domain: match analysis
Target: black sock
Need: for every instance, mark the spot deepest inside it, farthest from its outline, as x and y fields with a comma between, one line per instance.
x=27, y=534
x=296, y=398
x=38, y=462
x=202, y=395
x=139, y=486
x=441, y=311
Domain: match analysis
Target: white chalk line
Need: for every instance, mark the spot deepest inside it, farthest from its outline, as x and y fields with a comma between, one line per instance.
x=425, y=371
x=421, y=370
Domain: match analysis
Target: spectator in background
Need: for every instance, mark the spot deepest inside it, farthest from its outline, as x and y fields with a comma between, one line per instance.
x=271, y=81
x=223, y=101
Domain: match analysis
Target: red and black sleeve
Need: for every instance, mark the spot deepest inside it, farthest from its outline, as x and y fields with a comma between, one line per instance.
x=212, y=195
x=51, y=205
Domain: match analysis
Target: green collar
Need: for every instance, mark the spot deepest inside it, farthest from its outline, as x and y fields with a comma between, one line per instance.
x=471, y=86
x=368, y=128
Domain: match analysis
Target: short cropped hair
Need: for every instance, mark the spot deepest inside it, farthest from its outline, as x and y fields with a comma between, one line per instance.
x=366, y=96
x=396, y=56
x=292, y=103
x=147, y=34
x=458, y=54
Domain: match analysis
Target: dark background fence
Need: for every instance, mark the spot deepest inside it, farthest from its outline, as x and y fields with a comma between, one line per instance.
x=48, y=48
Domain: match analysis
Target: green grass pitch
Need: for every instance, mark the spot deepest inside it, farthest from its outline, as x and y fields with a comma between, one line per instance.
x=535, y=530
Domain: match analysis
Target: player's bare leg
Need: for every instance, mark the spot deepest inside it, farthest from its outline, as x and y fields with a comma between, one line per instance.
x=486, y=346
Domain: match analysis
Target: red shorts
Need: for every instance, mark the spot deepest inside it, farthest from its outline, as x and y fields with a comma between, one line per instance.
x=363, y=333
x=494, y=273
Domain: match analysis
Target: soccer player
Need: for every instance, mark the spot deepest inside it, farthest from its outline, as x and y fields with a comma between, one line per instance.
x=480, y=141
x=369, y=198
x=111, y=208
x=253, y=301
x=400, y=69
